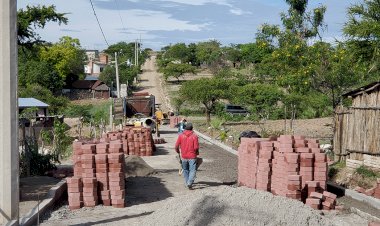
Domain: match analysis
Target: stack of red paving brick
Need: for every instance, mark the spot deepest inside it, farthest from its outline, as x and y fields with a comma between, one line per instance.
x=322, y=201
x=174, y=120
x=247, y=165
x=98, y=175
x=101, y=166
x=375, y=191
x=138, y=140
x=286, y=166
x=264, y=163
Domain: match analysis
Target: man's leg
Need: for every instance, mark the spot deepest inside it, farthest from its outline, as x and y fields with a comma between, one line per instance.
x=192, y=171
x=185, y=167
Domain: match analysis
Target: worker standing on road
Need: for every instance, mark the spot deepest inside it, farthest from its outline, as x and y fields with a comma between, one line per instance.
x=187, y=144
x=181, y=126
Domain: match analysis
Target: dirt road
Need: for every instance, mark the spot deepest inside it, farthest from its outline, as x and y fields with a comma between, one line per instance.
x=151, y=81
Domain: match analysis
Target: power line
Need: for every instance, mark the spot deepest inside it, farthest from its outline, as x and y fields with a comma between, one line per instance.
x=93, y=9
x=121, y=19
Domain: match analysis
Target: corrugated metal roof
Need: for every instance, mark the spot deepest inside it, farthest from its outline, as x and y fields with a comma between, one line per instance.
x=364, y=89
x=91, y=77
x=31, y=102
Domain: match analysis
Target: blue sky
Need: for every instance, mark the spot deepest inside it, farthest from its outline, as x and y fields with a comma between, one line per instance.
x=163, y=22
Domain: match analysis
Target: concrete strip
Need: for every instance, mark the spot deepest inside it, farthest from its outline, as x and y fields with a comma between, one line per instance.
x=374, y=202
x=217, y=143
x=54, y=194
x=362, y=197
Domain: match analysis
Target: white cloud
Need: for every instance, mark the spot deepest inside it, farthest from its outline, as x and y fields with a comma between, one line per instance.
x=239, y=12
x=157, y=21
x=198, y=2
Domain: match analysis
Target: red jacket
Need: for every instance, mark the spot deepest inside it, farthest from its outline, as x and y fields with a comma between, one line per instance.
x=188, y=143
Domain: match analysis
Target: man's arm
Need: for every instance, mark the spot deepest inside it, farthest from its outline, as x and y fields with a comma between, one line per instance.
x=177, y=143
x=196, y=144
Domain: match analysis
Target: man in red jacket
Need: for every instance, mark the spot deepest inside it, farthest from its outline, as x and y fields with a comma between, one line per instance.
x=187, y=142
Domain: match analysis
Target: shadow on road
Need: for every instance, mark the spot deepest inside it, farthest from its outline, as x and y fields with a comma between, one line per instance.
x=112, y=219
x=206, y=184
x=168, y=132
x=138, y=89
x=161, y=151
x=145, y=190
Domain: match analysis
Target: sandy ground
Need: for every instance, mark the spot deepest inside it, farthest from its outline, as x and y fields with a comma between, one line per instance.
x=151, y=81
x=33, y=190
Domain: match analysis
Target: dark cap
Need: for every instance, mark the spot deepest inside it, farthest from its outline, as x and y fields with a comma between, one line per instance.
x=189, y=126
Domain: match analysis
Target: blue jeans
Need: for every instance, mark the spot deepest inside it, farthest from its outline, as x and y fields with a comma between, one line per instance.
x=189, y=167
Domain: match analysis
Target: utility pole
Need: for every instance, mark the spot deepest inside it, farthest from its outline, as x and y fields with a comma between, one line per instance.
x=9, y=152
x=117, y=77
x=136, y=60
x=136, y=53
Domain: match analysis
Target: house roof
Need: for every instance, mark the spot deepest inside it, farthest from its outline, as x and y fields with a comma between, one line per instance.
x=364, y=89
x=31, y=102
x=83, y=84
x=102, y=87
x=88, y=84
x=91, y=77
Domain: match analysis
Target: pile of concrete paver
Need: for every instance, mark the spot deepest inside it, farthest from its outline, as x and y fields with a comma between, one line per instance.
x=289, y=166
x=174, y=120
x=375, y=191
x=99, y=169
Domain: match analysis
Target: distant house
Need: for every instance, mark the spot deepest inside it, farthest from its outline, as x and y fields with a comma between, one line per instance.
x=25, y=103
x=357, y=128
x=87, y=89
x=96, y=63
x=41, y=115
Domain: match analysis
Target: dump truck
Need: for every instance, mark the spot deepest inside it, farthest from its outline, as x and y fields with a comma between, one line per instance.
x=140, y=109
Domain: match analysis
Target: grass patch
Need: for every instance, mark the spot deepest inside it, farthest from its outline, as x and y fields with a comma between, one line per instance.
x=335, y=168
x=366, y=172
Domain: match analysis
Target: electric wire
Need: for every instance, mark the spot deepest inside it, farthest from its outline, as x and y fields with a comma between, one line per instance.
x=93, y=9
x=118, y=11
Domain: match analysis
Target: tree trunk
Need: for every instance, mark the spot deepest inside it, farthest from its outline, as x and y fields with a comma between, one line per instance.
x=208, y=117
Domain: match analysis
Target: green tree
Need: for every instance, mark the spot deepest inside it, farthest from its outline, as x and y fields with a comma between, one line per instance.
x=33, y=70
x=67, y=56
x=126, y=51
x=362, y=30
x=302, y=23
x=288, y=63
x=205, y=91
x=261, y=99
x=177, y=70
x=334, y=70
x=35, y=17
x=210, y=54
x=253, y=53
x=232, y=54
x=179, y=52
x=126, y=75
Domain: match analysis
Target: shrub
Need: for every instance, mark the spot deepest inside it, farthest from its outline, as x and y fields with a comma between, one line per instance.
x=39, y=164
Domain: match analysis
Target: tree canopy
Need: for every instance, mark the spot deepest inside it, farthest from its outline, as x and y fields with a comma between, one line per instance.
x=35, y=17
x=205, y=91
